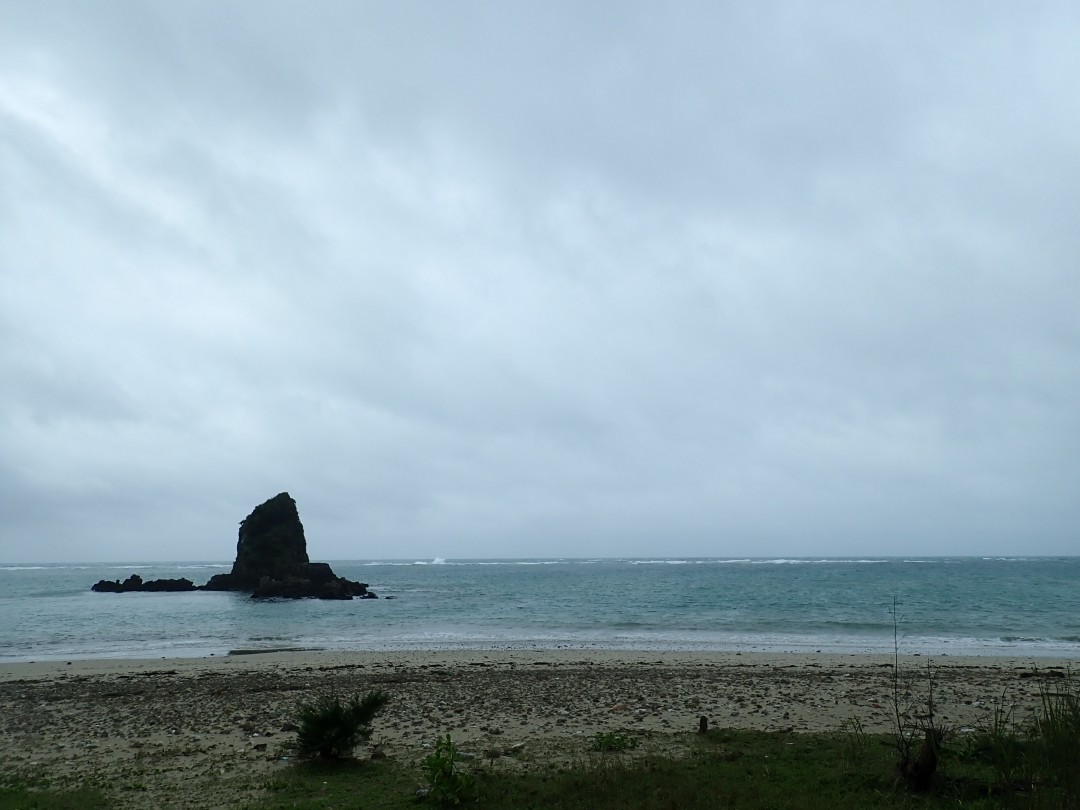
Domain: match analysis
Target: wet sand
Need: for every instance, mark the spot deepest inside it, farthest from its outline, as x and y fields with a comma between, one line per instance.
x=207, y=732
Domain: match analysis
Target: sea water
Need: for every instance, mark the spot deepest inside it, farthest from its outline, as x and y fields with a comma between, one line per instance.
x=956, y=606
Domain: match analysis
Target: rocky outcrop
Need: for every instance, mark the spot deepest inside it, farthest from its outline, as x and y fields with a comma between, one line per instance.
x=272, y=559
x=271, y=544
x=332, y=587
x=301, y=585
x=271, y=563
x=135, y=583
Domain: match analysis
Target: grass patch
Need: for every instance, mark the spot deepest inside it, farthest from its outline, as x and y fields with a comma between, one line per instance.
x=726, y=768
x=1057, y=738
x=380, y=785
x=18, y=793
x=610, y=741
x=1040, y=756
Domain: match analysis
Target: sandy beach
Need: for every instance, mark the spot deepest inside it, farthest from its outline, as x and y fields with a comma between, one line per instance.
x=207, y=732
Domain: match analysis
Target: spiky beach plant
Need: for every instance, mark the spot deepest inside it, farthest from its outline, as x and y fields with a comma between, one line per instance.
x=330, y=728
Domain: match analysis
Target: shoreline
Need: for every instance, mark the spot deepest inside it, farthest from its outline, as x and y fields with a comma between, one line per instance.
x=928, y=649
x=192, y=727
x=286, y=657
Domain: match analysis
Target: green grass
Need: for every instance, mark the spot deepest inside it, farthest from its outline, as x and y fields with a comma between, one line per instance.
x=1056, y=737
x=372, y=785
x=17, y=793
x=743, y=769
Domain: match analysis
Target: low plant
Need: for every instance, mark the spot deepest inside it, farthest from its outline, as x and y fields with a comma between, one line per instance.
x=331, y=728
x=916, y=737
x=856, y=736
x=450, y=785
x=1057, y=738
x=610, y=741
x=999, y=744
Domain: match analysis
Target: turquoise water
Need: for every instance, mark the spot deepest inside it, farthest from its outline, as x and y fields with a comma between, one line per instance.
x=1001, y=606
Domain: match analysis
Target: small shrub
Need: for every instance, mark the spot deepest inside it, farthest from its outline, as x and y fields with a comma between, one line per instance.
x=450, y=785
x=610, y=741
x=331, y=728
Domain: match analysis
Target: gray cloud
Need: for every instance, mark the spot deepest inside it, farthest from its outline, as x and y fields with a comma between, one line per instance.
x=539, y=280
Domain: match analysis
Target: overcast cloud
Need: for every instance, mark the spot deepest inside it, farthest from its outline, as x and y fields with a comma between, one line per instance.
x=540, y=279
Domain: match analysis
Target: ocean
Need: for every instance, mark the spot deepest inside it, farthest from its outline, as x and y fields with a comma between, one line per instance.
x=943, y=606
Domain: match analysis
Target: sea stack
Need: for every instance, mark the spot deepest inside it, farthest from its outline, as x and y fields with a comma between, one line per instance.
x=272, y=559
x=271, y=544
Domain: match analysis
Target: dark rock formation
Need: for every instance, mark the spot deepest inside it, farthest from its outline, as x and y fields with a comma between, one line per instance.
x=298, y=588
x=271, y=544
x=272, y=560
x=135, y=583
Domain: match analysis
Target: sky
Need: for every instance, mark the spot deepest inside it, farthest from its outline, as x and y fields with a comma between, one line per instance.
x=560, y=279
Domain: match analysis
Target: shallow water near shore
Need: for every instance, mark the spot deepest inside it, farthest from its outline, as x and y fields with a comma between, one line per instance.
x=955, y=606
